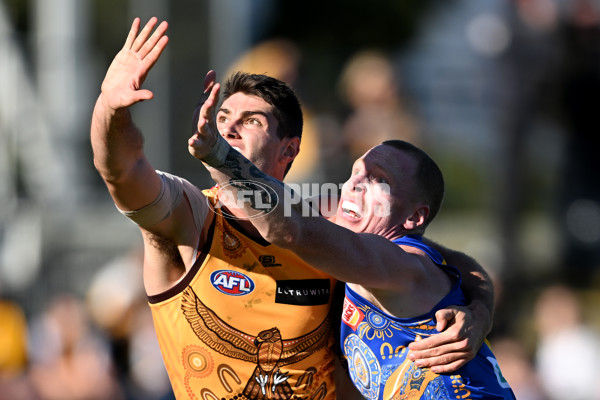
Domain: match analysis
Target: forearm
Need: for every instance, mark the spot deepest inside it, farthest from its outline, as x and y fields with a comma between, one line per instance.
x=477, y=287
x=246, y=189
x=117, y=143
x=286, y=220
x=479, y=291
x=117, y=146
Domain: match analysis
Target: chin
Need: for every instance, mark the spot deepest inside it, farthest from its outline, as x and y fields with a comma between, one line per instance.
x=348, y=221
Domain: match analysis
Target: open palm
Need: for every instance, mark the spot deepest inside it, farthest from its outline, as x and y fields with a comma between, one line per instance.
x=123, y=81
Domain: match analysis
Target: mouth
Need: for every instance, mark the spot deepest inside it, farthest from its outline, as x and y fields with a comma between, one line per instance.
x=236, y=148
x=351, y=209
x=231, y=143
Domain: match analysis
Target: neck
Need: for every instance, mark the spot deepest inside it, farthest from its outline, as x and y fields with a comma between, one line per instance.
x=403, y=232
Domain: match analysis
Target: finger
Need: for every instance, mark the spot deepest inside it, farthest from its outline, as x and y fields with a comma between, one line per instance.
x=445, y=359
x=203, y=127
x=204, y=114
x=135, y=96
x=150, y=44
x=192, y=141
x=447, y=368
x=141, y=95
x=432, y=342
x=192, y=147
x=157, y=50
x=214, y=94
x=439, y=349
x=133, y=31
x=447, y=356
x=197, y=145
x=417, y=352
x=209, y=81
x=441, y=324
x=444, y=317
x=144, y=34
x=208, y=108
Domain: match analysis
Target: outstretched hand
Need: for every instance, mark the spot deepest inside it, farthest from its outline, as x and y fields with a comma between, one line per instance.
x=122, y=85
x=206, y=133
x=461, y=335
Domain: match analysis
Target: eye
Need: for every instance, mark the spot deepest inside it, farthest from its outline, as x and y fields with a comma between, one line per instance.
x=252, y=121
x=222, y=119
x=377, y=179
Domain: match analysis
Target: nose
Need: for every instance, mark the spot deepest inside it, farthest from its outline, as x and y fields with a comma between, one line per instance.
x=355, y=184
x=229, y=130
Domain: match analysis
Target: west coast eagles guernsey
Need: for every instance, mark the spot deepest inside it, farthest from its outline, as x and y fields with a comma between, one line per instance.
x=375, y=345
x=248, y=321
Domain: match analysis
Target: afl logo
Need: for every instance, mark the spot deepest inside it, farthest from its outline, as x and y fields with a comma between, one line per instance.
x=262, y=199
x=231, y=282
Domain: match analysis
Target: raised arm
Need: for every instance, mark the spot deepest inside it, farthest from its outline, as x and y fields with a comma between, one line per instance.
x=167, y=224
x=116, y=142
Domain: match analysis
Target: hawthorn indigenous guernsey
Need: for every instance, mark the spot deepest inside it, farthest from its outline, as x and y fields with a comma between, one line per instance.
x=375, y=345
x=248, y=321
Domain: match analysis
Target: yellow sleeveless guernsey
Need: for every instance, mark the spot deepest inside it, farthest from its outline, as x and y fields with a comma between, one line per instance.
x=248, y=321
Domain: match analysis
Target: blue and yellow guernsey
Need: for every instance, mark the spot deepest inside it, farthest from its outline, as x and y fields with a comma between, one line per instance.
x=375, y=345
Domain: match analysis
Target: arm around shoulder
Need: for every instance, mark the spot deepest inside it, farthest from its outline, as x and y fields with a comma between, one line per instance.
x=477, y=284
x=462, y=329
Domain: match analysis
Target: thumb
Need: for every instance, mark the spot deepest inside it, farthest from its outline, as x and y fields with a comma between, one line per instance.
x=143, y=94
x=443, y=318
x=209, y=81
x=193, y=146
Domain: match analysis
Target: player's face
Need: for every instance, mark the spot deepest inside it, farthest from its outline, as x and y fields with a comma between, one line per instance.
x=249, y=125
x=378, y=196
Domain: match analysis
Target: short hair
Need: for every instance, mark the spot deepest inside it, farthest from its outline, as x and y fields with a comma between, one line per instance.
x=429, y=179
x=278, y=94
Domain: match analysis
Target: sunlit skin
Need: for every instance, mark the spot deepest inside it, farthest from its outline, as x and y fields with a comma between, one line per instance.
x=444, y=352
x=375, y=198
x=249, y=125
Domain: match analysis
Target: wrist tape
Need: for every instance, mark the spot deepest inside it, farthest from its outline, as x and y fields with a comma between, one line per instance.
x=216, y=157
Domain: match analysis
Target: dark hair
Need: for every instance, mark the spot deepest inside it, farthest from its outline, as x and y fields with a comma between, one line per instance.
x=429, y=180
x=278, y=94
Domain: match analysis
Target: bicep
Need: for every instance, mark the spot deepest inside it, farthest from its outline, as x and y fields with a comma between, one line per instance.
x=178, y=212
x=475, y=277
x=136, y=188
x=477, y=283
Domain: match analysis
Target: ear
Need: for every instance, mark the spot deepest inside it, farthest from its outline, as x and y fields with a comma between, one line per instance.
x=417, y=218
x=291, y=149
